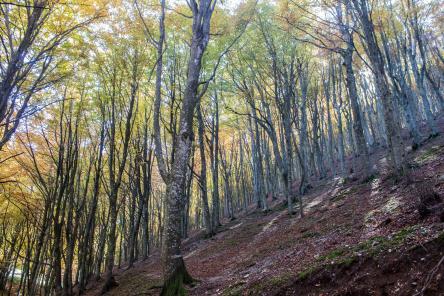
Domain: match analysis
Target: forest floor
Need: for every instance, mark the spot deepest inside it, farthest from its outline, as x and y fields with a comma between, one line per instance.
x=355, y=239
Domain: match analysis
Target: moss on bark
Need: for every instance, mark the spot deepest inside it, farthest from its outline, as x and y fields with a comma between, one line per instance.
x=174, y=284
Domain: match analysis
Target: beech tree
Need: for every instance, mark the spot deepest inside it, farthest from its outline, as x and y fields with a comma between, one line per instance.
x=175, y=273
x=29, y=59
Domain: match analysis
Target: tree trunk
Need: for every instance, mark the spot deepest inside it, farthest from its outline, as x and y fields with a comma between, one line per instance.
x=203, y=174
x=175, y=273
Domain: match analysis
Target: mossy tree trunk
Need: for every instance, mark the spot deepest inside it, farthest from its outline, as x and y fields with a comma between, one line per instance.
x=175, y=273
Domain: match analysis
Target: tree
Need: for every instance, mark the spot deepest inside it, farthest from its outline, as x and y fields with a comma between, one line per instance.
x=395, y=141
x=175, y=273
x=28, y=58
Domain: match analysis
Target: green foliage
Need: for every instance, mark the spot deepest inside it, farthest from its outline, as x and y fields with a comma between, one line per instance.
x=429, y=155
x=379, y=244
x=303, y=275
x=332, y=255
x=347, y=256
x=234, y=290
x=272, y=282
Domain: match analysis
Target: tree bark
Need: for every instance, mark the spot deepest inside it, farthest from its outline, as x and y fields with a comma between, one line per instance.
x=175, y=273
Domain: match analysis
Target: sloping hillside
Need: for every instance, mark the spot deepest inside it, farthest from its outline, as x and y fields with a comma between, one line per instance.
x=382, y=237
